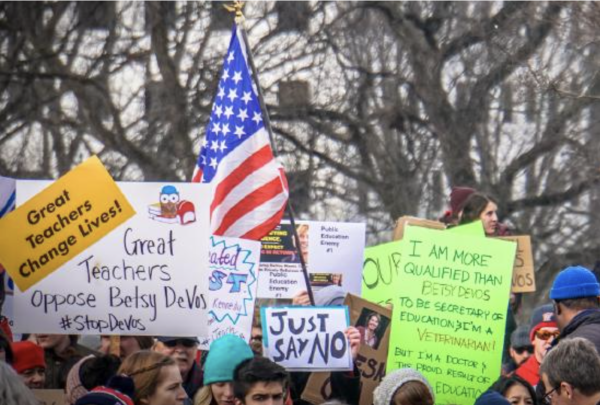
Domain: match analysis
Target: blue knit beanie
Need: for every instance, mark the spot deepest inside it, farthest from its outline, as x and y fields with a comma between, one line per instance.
x=574, y=282
x=224, y=355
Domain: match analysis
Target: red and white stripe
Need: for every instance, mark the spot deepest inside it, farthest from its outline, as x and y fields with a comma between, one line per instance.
x=250, y=190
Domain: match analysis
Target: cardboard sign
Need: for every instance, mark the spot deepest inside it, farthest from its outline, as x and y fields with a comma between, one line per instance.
x=50, y=397
x=147, y=277
x=324, y=245
x=233, y=267
x=307, y=338
x=408, y=220
x=474, y=229
x=523, y=270
x=371, y=359
x=60, y=222
x=450, y=311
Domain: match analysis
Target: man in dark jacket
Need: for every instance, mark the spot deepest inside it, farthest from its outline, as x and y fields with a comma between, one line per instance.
x=575, y=293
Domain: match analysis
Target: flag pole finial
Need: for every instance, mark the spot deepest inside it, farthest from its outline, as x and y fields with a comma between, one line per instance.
x=236, y=8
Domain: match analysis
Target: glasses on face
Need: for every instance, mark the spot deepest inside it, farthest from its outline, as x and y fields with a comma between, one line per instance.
x=546, y=334
x=524, y=349
x=183, y=342
x=546, y=399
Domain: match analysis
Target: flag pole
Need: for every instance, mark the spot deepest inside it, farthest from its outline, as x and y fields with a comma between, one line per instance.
x=239, y=20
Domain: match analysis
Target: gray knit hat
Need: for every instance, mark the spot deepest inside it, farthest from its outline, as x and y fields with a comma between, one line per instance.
x=384, y=393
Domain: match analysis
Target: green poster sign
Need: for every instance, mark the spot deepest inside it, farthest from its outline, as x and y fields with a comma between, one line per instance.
x=450, y=299
x=380, y=272
x=473, y=229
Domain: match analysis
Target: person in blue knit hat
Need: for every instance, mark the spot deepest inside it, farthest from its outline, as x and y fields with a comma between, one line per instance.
x=224, y=355
x=575, y=293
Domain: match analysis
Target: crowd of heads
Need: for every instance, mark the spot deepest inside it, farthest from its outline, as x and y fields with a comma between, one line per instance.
x=551, y=360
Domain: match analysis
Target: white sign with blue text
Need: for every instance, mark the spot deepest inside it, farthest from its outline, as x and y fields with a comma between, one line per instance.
x=233, y=278
x=147, y=277
x=307, y=338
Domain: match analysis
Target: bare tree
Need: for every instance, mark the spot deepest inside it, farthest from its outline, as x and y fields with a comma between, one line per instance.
x=378, y=107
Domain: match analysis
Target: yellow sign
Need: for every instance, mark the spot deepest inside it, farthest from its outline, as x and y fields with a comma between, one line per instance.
x=60, y=222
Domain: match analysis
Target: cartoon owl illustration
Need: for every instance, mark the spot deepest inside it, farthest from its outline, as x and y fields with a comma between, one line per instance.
x=169, y=198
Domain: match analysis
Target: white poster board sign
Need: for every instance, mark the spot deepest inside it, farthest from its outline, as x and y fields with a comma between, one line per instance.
x=307, y=338
x=333, y=252
x=233, y=278
x=147, y=277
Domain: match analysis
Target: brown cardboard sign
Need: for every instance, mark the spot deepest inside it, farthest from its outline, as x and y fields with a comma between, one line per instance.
x=424, y=223
x=372, y=357
x=523, y=271
x=50, y=397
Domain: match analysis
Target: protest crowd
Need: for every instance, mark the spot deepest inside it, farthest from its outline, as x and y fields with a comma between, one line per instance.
x=553, y=359
x=451, y=335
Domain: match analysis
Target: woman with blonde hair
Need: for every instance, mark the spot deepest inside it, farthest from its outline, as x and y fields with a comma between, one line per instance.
x=156, y=378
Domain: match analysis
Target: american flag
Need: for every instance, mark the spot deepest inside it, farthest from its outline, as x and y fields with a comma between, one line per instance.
x=250, y=189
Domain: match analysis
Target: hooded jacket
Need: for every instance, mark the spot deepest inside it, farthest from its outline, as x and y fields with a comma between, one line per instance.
x=585, y=324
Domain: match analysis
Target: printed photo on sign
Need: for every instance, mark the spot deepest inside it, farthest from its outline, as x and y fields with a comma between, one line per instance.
x=372, y=326
x=147, y=277
x=323, y=246
x=307, y=338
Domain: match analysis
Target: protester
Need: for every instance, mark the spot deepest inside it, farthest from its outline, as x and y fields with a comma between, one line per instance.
x=543, y=332
x=332, y=295
x=4, y=324
x=184, y=351
x=458, y=196
x=156, y=377
x=6, y=353
x=119, y=390
x=516, y=390
x=88, y=373
x=127, y=344
x=29, y=363
x=12, y=389
x=259, y=381
x=481, y=207
x=575, y=294
x=61, y=353
x=224, y=355
x=571, y=373
x=256, y=336
x=520, y=349
x=404, y=387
